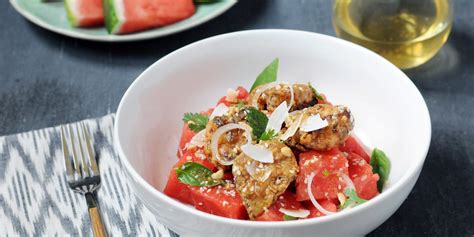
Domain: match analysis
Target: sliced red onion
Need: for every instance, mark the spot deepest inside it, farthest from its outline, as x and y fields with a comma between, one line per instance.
x=257, y=152
x=313, y=123
x=349, y=183
x=199, y=139
x=220, y=110
x=277, y=118
x=300, y=213
x=219, y=132
x=309, y=181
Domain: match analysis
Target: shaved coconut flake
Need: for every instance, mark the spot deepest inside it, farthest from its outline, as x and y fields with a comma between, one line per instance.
x=309, y=180
x=293, y=128
x=267, y=86
x=313, y=123
x=257, y=173
x=278, y=117
x=220, y=110
x=300, y=213
x=199, y=139
x=219, y=132
x=257, y=152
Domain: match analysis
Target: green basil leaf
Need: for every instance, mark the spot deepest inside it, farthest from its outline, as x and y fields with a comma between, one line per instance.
x=315, y=92
x=257, y=121
x=196, y=121
x=269, y=74
x=381, y=166
x=268, y=135
x=195, y=174
x=353, y=198
x=289, y=218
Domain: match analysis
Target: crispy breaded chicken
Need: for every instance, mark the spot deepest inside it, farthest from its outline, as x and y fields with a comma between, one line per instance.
x=340, y=123
x=230, y=142
x=272, y=97
x=260, y=184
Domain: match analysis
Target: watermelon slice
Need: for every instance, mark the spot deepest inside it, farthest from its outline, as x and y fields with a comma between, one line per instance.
x=126, y=16
x=287, y=201
x=84, y=13
x=326, y=165
x=365, y=181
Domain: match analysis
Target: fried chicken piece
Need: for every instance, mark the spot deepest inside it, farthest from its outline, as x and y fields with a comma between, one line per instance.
x=230, y=142
x=260, y=184
x=340, y=123
x=270, y=99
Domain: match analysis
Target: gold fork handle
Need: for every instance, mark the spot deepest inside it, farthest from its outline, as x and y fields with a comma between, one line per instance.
x=96, y=221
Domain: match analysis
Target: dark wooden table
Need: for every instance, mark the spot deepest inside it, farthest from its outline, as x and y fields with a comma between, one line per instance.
x=48, y=79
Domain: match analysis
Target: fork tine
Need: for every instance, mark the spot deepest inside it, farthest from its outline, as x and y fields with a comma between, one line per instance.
x=81, y=141
x=67, y=157
x=90, y=150
x=78, y=165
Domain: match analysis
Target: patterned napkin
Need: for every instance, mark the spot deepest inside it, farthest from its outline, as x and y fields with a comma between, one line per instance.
x=35, y=199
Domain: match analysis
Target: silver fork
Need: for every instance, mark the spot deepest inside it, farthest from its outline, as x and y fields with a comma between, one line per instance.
x=82, y=171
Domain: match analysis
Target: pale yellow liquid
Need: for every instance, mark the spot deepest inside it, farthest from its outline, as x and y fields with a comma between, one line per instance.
x=407, y=34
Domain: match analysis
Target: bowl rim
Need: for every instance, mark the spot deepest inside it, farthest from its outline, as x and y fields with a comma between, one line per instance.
x=409, y=175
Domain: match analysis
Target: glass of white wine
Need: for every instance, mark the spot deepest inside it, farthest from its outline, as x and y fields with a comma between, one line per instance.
x=406, y=32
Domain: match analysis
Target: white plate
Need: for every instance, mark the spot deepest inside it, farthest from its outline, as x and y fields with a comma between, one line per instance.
x=52, y=16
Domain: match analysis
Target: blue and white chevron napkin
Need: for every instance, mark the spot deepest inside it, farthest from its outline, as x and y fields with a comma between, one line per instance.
x=35, y=199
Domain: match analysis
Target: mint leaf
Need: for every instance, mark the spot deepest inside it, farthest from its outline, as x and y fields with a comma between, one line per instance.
x=257, y=121
x=353, y=198
x=268, y=135
x=195, y=174
x=196, y=121
x=381, y=166
x=269, y=74
x=315, y=92
x=289, y=218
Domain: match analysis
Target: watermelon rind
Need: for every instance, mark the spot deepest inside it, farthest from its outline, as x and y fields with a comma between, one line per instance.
x=68, y=4
x=111, y=16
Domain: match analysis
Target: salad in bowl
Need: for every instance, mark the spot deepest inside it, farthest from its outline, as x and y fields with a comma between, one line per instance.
x=276, y=152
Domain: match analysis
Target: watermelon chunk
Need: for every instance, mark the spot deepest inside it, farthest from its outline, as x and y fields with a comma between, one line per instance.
x=219, y=201
x=242, y=95
x=186, y=136
x=214, y=200
x=126, y=16
x=360, y=172
x=287, y=201
x=84, y=13
x=351, y=145
x=326, y=165
x=325, y=203
x=177, y=190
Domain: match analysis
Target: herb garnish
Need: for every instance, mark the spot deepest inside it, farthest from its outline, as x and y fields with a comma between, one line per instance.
x=381, y=166
x=268, y=135
x=353, y=199
x=269, y=74
x=315, y=92
x=196, y=174
x=325, y=173
x=289, y=218
x=257, y=121
x=240, y=105
x=195, y=121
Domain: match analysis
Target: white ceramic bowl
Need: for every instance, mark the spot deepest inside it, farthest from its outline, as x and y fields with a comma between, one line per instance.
x=390, y=114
